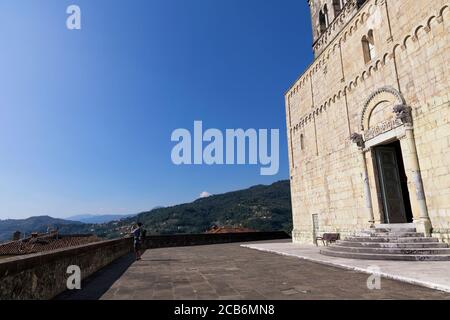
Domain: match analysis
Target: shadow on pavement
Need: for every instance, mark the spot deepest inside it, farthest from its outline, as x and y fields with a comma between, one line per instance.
x=95, y=286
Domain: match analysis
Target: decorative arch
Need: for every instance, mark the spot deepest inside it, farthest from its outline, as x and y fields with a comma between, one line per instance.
x=364, y=75
x=375, y=98
x=430, y=20
x=417, y=30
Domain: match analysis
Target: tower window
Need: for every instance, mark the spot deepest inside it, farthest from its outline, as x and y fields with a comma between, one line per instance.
x=324, y=22
x=325, y=12
x=359, y=3
x=302, y=142
x=368, y=45
x=338, y=5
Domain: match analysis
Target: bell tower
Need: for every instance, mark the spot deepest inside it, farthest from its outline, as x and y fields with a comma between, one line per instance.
x=325, y=13
x=318, y=17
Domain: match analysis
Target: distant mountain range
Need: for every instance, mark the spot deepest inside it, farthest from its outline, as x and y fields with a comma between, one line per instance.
x=261, y=208
x=92, y=218
x=33, y=224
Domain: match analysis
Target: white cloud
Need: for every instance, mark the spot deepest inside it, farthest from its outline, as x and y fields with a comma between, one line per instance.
x=204, y=194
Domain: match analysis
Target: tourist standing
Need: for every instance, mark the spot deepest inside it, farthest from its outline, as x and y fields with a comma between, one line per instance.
x=137, y=243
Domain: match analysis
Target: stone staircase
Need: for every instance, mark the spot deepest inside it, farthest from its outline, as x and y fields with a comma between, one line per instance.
x=390, y=242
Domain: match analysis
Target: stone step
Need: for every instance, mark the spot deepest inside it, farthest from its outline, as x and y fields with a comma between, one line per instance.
x=392, y=244
x=396, y=226
x=391, y=239
x=408, y=251
x=392, y=230
x=395, y=257
x=390, y=234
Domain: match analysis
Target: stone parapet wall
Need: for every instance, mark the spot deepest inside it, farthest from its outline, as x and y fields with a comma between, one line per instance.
x=184, y=240
x=44, y=275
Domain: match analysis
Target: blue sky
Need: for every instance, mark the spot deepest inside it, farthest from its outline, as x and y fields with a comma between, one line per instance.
x=86, y=116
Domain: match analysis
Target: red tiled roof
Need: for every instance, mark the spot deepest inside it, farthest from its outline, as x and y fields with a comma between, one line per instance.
x=44, y=242
x=229, y=230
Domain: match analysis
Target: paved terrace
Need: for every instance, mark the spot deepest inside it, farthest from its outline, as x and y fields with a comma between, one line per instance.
x=229, y=271
x=431, y=274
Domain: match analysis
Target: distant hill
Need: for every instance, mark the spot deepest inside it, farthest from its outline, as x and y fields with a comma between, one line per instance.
x=260, y=208
x=92, y=218
x=33, y=224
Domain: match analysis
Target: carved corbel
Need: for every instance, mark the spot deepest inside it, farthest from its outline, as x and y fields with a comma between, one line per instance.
x=403, y=113
x=358, y=140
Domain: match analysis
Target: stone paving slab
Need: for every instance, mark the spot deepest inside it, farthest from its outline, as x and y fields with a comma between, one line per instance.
x=231, y=272
x=430, y=274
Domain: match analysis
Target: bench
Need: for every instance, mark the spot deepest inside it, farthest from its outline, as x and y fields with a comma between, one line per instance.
x=328, y=238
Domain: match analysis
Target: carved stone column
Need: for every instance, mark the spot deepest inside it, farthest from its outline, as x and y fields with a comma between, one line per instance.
x=423, y=223
x=359, y=141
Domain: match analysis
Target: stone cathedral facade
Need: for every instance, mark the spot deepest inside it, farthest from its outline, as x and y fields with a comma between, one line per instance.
x=369, y=121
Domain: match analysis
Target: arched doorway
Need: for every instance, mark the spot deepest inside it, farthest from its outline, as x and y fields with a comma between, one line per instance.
x=393, y=182
x=390, y=161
